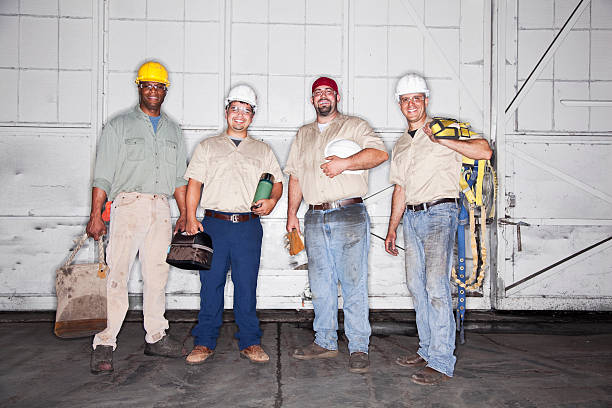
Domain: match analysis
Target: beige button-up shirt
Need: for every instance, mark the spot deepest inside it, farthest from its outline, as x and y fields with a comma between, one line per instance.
x=230, y=173
x=307, y=154
x=426, y=170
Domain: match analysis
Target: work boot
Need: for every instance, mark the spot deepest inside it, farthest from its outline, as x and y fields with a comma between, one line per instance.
x=166, y=347
x=198, y=355
x=255, y=354
x=411, y=360
x=101, y=360
x=313, y=351
x=428, y=376
x=359, y=362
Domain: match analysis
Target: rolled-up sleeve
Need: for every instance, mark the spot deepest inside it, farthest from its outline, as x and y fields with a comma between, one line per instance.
x=107, y=155
x=181, y=161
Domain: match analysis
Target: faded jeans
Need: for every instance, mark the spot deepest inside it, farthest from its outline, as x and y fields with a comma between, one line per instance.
x=140, y=223
x=429, y=238
x=337, y=243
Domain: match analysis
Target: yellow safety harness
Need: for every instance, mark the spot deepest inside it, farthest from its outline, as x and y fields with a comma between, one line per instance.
x=478, y=183
x=445, y=128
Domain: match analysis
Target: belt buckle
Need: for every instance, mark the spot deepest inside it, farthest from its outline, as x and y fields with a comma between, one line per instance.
x=234, y=218
x=424, y=206
x=334, y=204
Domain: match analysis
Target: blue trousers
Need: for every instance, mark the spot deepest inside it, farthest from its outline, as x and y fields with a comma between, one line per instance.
x=429, y=238
x=237, y=245
x=337, y=244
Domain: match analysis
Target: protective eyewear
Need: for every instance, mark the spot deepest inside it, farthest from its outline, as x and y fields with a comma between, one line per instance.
x=321, y=92
x=150, y=86
x=415, y=99
x=238, y=109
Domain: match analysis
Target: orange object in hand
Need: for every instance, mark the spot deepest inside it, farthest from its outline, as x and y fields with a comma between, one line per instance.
x=106, y=212
x=295, y=242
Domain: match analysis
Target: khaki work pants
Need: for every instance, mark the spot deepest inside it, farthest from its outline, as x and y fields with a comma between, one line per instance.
x=140, y=223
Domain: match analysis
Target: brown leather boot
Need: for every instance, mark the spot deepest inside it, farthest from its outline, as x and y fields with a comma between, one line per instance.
x=255, y=354
x=428, y=376
x=313, y=350
x=101, y=360
x=359, y=362
x=411, y=360
x=198, y=355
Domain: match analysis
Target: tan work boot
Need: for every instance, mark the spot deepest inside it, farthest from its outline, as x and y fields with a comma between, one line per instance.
x=198, y=355
x=313, y=351
x=255, y=354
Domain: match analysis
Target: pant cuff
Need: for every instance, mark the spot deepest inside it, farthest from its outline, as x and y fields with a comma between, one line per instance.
x=440, y=369
x=327, y=346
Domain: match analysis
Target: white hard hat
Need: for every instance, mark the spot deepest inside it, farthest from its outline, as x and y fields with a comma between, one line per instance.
x=343, y=148
x=411, y=83
x=242, y=93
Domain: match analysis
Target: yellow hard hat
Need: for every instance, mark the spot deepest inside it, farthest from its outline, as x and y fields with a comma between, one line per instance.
x=154, y=72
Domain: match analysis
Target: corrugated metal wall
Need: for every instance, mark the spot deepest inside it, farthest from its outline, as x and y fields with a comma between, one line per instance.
x=69, y=65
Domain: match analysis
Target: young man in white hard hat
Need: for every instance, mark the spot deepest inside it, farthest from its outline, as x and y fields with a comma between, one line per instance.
x=425, y=171
x=140, y=160
x=336, y=225
x=229, y=167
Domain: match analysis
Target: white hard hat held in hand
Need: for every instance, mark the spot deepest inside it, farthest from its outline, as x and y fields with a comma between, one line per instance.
x=343, y=148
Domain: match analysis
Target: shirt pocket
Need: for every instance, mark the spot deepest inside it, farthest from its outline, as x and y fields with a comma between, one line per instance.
x=251, y=168
x=135, y=149
x=170, y=149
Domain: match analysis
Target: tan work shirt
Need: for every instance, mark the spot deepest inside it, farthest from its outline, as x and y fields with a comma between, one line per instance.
x=426, y=170
x=230, y=173
x=307, y=154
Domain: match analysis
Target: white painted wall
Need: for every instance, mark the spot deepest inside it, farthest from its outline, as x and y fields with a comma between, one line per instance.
x=69, y=65
x=554, y=154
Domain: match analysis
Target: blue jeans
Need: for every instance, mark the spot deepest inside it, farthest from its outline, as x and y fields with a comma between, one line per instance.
x=429, y=238
x=337, y=243
x=237, y=245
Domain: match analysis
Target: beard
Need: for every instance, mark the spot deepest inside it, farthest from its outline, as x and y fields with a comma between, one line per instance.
x=325, y=110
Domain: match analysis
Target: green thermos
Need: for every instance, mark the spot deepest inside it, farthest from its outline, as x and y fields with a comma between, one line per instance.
x=264, y=187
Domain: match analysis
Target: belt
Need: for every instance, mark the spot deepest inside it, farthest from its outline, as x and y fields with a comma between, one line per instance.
x=425, y=206
x=230, y=217
x=336, y=204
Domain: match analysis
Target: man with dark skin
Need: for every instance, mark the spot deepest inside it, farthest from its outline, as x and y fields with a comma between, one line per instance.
x=140, y=160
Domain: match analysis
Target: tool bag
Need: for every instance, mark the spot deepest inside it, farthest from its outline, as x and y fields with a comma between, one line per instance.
x=193, y=252
x=81, y=295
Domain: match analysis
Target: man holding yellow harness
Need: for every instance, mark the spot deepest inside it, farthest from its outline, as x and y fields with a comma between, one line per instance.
x=425, y=169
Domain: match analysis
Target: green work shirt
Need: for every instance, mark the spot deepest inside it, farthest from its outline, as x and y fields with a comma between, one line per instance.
x=131, y=157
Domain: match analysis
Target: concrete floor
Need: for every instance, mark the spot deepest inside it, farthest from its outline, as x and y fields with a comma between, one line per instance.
x=493, y=370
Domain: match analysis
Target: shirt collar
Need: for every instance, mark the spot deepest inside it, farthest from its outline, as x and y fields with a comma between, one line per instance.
x=143, y=115
x=339, y=117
